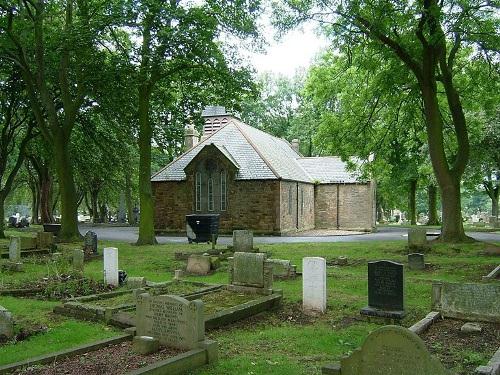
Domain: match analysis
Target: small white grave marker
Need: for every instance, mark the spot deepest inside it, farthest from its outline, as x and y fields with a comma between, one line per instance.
x=111, y=266
x=314, y=284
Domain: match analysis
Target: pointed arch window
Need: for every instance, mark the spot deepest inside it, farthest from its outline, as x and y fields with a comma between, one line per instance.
x=223, y=190
x=198, y=191
x=210, y=194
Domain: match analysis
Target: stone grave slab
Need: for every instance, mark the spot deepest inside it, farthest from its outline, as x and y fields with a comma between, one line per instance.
x=111, y=266
x=15, y=249
x=469, y=301
x=385, y=290
x=90, y=244
x=198, y=264
x=390, y=350
x=173, y=320
x=416, y=261
x=417, y=238
x=6, y=323
x=78, y=260
x=242, y=240
x=314, y=284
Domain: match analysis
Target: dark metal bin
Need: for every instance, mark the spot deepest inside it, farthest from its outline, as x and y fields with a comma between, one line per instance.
x=202, y=227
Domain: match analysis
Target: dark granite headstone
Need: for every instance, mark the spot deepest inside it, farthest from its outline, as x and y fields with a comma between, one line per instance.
x=90, y=243
x=385, y=290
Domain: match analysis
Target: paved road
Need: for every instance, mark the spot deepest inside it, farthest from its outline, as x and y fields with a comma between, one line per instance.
x=130, y=234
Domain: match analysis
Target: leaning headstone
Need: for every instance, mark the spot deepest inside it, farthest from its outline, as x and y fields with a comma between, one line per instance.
x=15, y=249
x=6, y=323
x=90, y=244
x=417, y=238
x=385, y=290
x=250, y=272
x=314, y=285
x=198, y=264
x=173, y=320
x=44, y=240
x=390, y=350
x=78, y=259
x=416, y=261
x=242, y=240
x=111, y=266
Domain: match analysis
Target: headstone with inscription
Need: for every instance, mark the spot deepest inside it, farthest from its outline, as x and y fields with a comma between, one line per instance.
x=173, y=320
x=111, y=266
x=416, y=261
x=250, y=270
x=6, y=323
x=90, y=244
x=242, y=240
x=314, y=285
x=78, y=260
x=390, y=350
x=417, y=238
x=385, y=290
x=15, y=249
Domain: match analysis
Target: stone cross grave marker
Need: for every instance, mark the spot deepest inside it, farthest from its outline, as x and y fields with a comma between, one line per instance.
x=111, y=266
x=417, y=238
x=6, y=323
x=385, y=290
x=173, y=320
x=314, y=284
x=90, y=243
x=15, y=249
x=78, y=259
x=416, y=261
x=390, y=350
x=242, y=240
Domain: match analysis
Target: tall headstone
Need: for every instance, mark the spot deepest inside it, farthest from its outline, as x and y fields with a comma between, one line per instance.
x=242, y=240
x=314, y=284
x=90, y=243
x=111, y=266
x=416, y=261
x=6, y=323
x=173, y=320
x=417, y=238
x=78, y=260
x=385, y=290
x=15, y=249
x=390, y=350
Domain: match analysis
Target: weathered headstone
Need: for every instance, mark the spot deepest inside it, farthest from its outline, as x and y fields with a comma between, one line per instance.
x=28, y=243
x=385, y=290
x=242, y=240
x=6, y=323
x=44, y=240
x=90, y=243
x=145, y=345
x=111, y=266
x=282, y=269
x=198, y=264
x=136, y=282
x=173, y=320
x=471, y=301
x=390, y=350
x=15, y=249
x=416, y=261
x=78, y=260
x=250, y=270
x=417, y=238
x=314, y=284
x=178, y=274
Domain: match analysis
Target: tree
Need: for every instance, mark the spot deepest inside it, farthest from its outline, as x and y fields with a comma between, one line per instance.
x=425, y=38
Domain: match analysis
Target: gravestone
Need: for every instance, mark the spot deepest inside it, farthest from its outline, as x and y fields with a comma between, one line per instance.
x=78, y=259
x=250, y=271
x=417, y=238
x=385, y=290
x=28, y=243
x=198, y=264
x=136, y=282
x=111, y=266
x=90, y=244
x=6, y=323
x=45, y=240
x=173, y=320
x=242, y=240
x=282, y=269
x=15, y=249
x=314, y=284
x=470, y=301
x=178, y=274
x=416, y=261
x=390, y=350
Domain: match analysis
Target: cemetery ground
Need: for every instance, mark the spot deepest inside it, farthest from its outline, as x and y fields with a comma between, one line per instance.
x=284, y=341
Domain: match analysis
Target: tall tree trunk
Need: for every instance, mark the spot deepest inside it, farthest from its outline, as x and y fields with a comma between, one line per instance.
x=35, y=204
x=494, y=205
x=128, y=198
x=2, y=212
x=412, y=202
x=93, y=202
x=46, y=212
x=69, y=205
x=432, y=196
x=146, y=224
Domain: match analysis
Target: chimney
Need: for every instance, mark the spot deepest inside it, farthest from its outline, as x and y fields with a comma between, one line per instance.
x=190, y=137
x=215, y=118
x=296, y=145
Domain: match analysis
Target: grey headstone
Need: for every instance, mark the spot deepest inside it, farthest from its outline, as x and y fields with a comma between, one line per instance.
x=248, y=269
x=44, y=240
x=282, y=268
x=416, y=261
x=90, y=243
x=145, y=345
x=15, y=249
x=78, y=260
x=242, y=240
x=391, y=350
x=178, y=274
x=136, y=282
x=173, y=320
x=6, y=323
x=198, y=264
x=417, y=237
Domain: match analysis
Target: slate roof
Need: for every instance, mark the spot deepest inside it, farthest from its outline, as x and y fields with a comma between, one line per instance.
x=259, y=156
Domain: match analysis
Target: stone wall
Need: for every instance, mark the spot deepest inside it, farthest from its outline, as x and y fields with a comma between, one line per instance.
x=297, y=206
x=355, y=207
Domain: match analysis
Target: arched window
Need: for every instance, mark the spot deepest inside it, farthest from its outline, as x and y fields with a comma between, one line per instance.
x=290, y=200
x=210, y=194
x=198, y=191
x=223, y=191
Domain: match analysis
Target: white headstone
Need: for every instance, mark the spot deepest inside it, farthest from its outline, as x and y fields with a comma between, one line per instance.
x=314, y=284
x=15, y=249
x=111, y=266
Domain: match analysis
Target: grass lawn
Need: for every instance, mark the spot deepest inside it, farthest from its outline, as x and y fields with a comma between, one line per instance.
x=283, y=342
